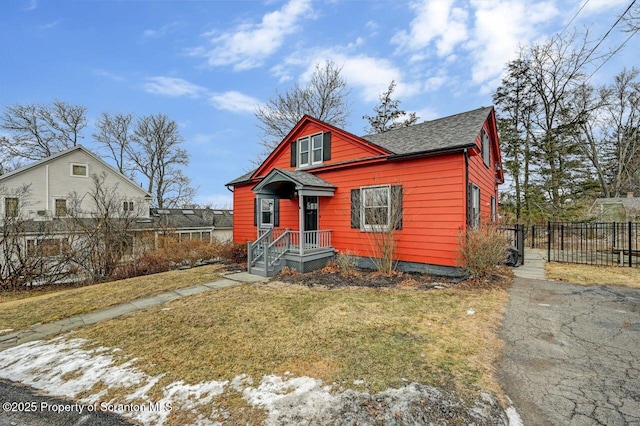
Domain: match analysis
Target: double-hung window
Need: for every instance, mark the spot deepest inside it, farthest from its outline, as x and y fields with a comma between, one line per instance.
x=60, y=207
x=127, y=206
x=310, y=150
x=474, y=210
x=266, y=212
x=376, y=208
x=11, y=207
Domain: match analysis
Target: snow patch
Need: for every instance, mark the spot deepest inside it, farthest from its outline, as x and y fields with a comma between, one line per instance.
x=5, y=330
x=514, y=417
x=470, y=312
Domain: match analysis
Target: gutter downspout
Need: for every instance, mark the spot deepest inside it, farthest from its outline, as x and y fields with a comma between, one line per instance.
x=466, y=186
x=46, y=184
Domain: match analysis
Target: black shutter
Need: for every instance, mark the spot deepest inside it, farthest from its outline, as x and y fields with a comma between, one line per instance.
x=276, y=212
x=294, y=154
x=326, y=146
x=396, y=205
x=255, y=211
x=355, y=208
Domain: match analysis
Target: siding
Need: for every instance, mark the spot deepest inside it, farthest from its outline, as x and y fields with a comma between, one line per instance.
x=344, y=147
x=433, y=208
x=485, y=177
x=60, y=184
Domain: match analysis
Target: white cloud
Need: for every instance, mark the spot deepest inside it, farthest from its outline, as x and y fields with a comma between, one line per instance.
x=154, y=33
x=171, y=86
x=234, y=101
x=109, y=75
x=250, y=44
x=598, y=6
x=500, y=27
x=436, y=21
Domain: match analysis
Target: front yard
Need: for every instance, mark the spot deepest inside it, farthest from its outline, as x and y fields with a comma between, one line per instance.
x=19, y=310
x=218, y=356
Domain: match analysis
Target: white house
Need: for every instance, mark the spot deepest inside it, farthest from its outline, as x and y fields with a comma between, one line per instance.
x=51, y=182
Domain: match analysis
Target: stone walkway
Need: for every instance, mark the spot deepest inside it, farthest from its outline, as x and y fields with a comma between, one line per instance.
x=533, y=268
x=41, y=331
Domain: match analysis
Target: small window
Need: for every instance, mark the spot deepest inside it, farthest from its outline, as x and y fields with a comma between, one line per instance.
x=81, y=170
x=486, y=151
x=310, y=150
x=60, y=207
x=494, y=209
x=376, y=207
x=127, y=206
x=266, y=211
x=474, y=220
x=11, y=205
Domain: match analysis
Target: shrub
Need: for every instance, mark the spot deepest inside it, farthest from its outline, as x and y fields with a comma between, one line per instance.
x=482, y=250
x=347, y=263
x=238, y=253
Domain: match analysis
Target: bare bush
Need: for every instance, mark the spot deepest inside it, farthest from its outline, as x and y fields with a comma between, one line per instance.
x=347, y=263
x=482, y=250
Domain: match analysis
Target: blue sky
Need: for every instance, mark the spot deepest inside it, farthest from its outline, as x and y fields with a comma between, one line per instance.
x=207, y=64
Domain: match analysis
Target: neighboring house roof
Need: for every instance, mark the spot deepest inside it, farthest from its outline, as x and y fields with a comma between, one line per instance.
x=192, y=218
x=455, y=131
x=629, y=204
x=174, y=219
x=67, y=152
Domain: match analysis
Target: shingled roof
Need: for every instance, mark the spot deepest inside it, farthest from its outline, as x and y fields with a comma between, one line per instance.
x=447, y=133
x=455, y=131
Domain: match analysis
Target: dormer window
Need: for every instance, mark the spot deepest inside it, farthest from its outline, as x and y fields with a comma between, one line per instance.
x=311, y=150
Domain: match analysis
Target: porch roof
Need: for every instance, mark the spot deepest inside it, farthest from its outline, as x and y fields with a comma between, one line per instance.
x=295, y=179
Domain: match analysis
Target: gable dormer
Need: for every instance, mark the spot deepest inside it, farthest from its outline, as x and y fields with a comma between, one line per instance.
x=313, y=144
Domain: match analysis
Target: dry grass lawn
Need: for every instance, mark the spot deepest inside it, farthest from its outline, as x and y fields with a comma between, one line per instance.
x=594, y=275
x=381, y=336
x=19, y=312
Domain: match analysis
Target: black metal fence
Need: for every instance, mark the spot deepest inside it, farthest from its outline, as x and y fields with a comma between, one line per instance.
x=592, y=243
x=516, y=236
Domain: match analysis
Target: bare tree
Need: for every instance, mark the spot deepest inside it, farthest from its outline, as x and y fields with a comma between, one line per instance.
x=38, y=131
x=103, y=235
x=156, y=154
x=31, y=252
x=325, y=97
x=389, y=116
x=114, y=135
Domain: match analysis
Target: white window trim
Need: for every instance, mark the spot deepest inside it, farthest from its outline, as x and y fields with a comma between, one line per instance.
x=130, y=206
x=4, y=206
x=54, y=206
x=374, y=228
x=273, y=213
x=310, y=151
x=86, y=166
x=475, y=202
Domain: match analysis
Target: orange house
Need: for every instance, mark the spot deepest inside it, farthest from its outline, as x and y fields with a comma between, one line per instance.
x=324, y=191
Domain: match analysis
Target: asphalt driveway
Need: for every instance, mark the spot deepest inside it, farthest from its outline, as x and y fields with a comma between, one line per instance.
x=572, y=353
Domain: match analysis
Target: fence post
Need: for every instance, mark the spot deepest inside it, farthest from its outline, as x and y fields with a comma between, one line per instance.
x=533, y=236
x=630, y=243
x=520, y=235
x=548, y=241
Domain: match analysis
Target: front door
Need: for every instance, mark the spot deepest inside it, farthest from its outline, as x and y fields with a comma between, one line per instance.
x=310, y=213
